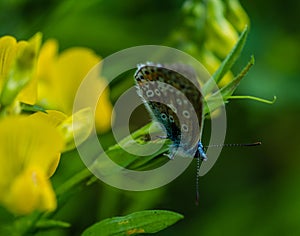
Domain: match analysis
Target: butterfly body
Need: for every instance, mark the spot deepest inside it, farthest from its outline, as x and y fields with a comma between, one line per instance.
x=171, y=93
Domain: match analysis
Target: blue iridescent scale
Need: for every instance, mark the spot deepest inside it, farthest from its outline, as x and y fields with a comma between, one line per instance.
x=172, y=95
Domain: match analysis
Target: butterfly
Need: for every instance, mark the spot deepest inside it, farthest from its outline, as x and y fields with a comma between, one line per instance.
x=171, y=94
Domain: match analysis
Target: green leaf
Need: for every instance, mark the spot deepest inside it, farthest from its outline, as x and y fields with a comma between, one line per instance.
x=32, y=108
x=47, y=224
x=128, y=160
x=149, y=221
x=228, y=90
x=227, y=63
x=254, y=98
x=217, y=99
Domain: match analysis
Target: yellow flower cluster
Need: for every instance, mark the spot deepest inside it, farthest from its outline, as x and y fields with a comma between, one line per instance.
x=31, y=144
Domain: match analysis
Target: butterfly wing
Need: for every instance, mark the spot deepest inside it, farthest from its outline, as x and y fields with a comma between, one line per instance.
x=172, y=95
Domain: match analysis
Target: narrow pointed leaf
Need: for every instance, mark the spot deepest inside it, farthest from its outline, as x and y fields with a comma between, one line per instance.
x=50, y=224
x=229, y=89
x=32, y=108
x=227, y=63
x=218, y=98
x=125, y=158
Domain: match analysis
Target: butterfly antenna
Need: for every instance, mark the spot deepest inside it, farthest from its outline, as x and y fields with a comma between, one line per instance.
x=235, y=145
x=199, y=161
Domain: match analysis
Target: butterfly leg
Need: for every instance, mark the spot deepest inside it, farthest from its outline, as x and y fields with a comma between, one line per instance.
x=161, y=137
x=170, y=155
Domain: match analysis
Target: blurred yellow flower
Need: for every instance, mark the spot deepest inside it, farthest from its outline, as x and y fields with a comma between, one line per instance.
x=210, y=31
x=30, y=146
x=212, y=63
x=29, y=154
x=17, y=68
x=59, y=76
x=78, y=126
x=221, y=34
x=236, y=15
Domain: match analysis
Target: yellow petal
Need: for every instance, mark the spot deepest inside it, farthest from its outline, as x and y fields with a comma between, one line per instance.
x=46, y=61
x=30, y=191
x=54, y=117
x=103, y=113
x=53, y=165
x=25, y=142
x=21, y=73
x=78, y=126
x=57, y=89
x=8, y=47
x=29, y=93
x=68, y=70
x=73, y=65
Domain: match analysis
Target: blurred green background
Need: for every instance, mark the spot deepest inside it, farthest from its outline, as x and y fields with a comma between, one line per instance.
x=249, y=191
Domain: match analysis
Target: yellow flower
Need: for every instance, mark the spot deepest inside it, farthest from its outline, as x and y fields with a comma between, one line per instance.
x=59, y=76
x=29, y=153
x=17, y=67
x=79, y=125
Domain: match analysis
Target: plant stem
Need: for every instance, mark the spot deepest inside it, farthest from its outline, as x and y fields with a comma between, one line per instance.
x=254, y=98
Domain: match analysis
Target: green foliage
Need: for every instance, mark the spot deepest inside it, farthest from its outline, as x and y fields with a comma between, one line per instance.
x=249, y=191
x=227, y=62
x=49, y=224
x=150, y=221
x=27, y=108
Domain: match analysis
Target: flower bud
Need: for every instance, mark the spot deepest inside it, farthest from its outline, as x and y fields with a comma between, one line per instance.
x=237, y=15
x=221, y=35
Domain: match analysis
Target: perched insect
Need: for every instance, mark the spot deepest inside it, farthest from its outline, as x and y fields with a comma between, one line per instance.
x=172, y=95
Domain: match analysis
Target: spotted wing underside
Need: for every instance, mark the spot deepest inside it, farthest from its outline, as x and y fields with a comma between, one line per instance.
x=172, y=95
